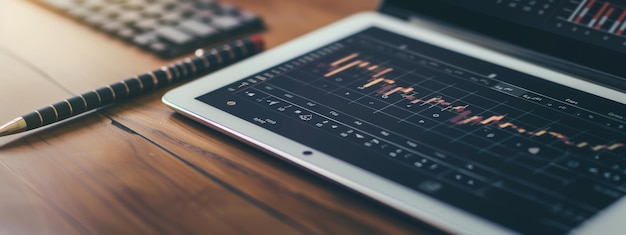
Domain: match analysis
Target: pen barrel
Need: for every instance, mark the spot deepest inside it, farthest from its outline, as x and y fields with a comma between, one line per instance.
x=204, y=62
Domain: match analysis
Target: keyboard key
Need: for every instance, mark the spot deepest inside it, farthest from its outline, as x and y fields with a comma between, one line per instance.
x=129, y=17
x=134, y=5
x=112, y=27
x=125, y=33
x=112, y=11
x=174, y=35
x=147, y=25
x=145, y=40
x=153, y=11
x=158, y=47
x=170, y=4
x=250, y=18
x=226, y=23
x=171, y=17
x=186, y=9
x=197, y=28
x=205, y=15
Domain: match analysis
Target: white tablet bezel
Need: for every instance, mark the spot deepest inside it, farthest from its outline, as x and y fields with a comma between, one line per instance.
x=411, y=202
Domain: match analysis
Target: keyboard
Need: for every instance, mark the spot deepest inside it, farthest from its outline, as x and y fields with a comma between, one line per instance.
x=166, y=28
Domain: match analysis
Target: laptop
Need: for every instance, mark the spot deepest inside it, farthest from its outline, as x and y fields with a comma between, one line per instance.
x=477, y=117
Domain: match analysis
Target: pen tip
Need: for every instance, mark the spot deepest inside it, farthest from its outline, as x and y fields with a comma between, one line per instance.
x=16, y=126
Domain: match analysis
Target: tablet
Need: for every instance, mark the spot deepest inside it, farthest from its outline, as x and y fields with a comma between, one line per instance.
x=464, y=138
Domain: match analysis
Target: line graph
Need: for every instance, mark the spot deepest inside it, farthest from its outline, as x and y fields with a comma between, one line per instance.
x=385, y=87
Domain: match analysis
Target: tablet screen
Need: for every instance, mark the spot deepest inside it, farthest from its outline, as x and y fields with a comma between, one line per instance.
x=524, y=152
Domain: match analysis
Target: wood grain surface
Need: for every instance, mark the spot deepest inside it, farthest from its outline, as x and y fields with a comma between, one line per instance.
x=139, y=168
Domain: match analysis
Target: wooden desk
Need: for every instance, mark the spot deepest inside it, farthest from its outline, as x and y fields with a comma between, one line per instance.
x=138, y=168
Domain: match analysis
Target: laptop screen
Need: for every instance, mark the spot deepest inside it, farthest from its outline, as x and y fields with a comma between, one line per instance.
x=584, y=37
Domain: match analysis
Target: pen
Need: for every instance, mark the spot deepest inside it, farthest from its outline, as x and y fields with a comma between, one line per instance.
x=203, y=62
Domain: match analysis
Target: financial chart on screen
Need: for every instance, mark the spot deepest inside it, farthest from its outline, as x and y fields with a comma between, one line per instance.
x=594, y=21
x=495, y=142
